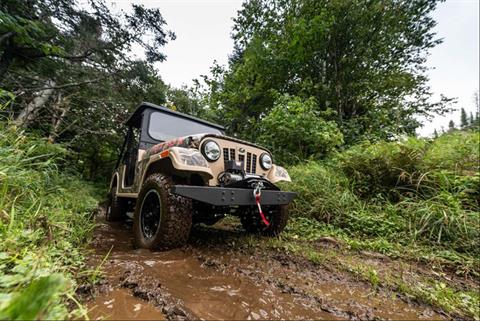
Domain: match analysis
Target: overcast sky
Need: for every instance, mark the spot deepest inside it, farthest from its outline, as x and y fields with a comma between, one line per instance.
x=203, y=35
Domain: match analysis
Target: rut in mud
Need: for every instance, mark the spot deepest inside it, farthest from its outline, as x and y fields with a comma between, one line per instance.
x=212, y=279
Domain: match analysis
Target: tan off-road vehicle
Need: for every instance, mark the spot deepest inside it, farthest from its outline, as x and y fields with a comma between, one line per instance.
x=176, y=170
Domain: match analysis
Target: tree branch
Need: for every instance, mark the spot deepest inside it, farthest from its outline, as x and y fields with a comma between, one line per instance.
x=73, y=84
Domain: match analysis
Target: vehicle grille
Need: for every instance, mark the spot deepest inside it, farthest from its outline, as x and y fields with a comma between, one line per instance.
x=250, y=166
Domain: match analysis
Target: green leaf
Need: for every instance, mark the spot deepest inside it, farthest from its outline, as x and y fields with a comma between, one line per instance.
x=34, y=301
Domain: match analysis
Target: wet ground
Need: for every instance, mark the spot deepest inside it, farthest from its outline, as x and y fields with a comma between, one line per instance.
x=213, y=278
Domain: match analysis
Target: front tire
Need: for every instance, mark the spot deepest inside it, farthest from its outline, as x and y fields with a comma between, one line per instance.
x=277, y=215
x=162, y=220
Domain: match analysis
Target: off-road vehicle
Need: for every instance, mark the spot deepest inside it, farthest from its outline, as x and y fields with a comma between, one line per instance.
x=176, y=170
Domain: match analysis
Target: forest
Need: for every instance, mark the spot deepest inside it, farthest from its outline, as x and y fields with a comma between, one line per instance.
x=335, y=89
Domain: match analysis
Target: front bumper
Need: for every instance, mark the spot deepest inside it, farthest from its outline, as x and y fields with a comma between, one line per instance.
x=224, y=196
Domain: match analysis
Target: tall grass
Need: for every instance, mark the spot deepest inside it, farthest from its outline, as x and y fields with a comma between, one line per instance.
x=45, y=218
x=415, y=191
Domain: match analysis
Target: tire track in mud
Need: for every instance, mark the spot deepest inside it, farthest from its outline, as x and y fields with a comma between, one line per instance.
x=211, y=279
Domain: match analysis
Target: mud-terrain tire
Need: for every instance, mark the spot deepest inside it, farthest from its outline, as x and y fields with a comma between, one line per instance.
x=277, y=215
x=117, y=207
x=162, y=220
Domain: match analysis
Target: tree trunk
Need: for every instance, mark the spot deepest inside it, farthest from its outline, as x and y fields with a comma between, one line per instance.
x=59, y=112
x=28, y=113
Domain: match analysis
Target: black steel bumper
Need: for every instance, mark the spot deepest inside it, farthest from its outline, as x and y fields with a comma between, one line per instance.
x=223, y=196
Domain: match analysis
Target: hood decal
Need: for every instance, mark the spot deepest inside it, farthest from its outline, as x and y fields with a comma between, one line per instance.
x=193, y=141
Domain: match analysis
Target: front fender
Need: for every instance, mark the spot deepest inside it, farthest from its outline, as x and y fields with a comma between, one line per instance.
x=177, y=159
x=190, y=160
x=115, y=178
x=278, y=174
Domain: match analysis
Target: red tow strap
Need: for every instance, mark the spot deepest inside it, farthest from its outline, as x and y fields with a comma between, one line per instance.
x=257, y=200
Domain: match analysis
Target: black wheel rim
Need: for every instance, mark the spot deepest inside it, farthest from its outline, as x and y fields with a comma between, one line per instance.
x=150, y=214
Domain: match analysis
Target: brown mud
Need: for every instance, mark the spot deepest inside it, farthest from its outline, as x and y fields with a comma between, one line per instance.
x=214, y=278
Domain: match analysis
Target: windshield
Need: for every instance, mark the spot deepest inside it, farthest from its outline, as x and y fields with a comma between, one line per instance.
x=165, y=127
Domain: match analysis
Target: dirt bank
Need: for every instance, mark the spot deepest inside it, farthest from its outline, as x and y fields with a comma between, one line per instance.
x=216, y=277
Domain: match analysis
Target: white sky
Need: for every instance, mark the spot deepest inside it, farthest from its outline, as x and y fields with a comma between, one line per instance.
x=203, y=35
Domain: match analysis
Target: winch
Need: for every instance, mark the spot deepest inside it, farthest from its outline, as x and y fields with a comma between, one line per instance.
x=233, y=173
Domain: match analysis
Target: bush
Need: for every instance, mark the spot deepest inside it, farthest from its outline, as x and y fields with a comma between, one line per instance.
x=411, y=191
x=456, y=152
x=382, y=169
x=45, y=218
x=325, y=194
x=295, y=131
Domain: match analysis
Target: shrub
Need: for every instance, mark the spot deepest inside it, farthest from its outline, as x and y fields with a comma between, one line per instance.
x=457, y=152
x=45, y=218
x=397, y=191
x=382, y=169
x=295, y=131
x=322, y=192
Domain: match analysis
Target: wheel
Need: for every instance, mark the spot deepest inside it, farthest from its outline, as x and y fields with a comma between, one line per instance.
x=117, y=208
x=162, y=220
x=276, y=215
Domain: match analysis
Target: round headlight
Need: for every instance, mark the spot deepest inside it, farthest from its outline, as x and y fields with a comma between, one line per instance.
x=211, y=150
x=266, y=161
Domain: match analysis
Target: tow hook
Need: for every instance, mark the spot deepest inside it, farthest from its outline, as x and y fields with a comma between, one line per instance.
x=257, y=193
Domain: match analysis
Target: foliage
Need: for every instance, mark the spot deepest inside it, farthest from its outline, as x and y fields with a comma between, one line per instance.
x=381, y=168
x=70, y=69
x=397, y=192
x=362, y=59
x=463, y=119
x=45, y=218
x=457, y=152
x=295, y=131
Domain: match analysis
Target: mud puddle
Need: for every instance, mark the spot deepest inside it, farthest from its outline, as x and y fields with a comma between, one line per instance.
x=119, y=304
x=181, y=285
x=208, y=280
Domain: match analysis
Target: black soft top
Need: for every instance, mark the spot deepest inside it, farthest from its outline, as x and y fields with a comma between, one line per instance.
x=135, y=118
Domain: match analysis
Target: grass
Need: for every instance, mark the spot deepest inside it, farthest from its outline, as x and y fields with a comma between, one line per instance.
x=303, y=234
x=398, y=194
x=45, y=220
x=416, y=200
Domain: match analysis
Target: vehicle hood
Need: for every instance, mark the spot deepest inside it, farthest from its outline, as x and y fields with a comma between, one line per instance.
x=192, y=141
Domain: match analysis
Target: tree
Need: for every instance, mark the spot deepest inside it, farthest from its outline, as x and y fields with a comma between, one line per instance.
x=185, y=100
x=435, y=133
x=71, y=71
x=363, y=59
x=463, y=119
x=294, y=130
x=451, y=126
x=68, y=46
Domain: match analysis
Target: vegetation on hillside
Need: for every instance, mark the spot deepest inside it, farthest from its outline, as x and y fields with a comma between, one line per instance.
x=416, y=199
x=413, y=192
x=45, y=219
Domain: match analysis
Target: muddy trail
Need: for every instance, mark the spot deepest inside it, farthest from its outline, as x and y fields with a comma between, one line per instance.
x=213, y=278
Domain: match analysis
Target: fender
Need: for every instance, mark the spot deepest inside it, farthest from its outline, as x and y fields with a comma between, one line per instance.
x=278, y=174
x=114, y=177
x=177, y=159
